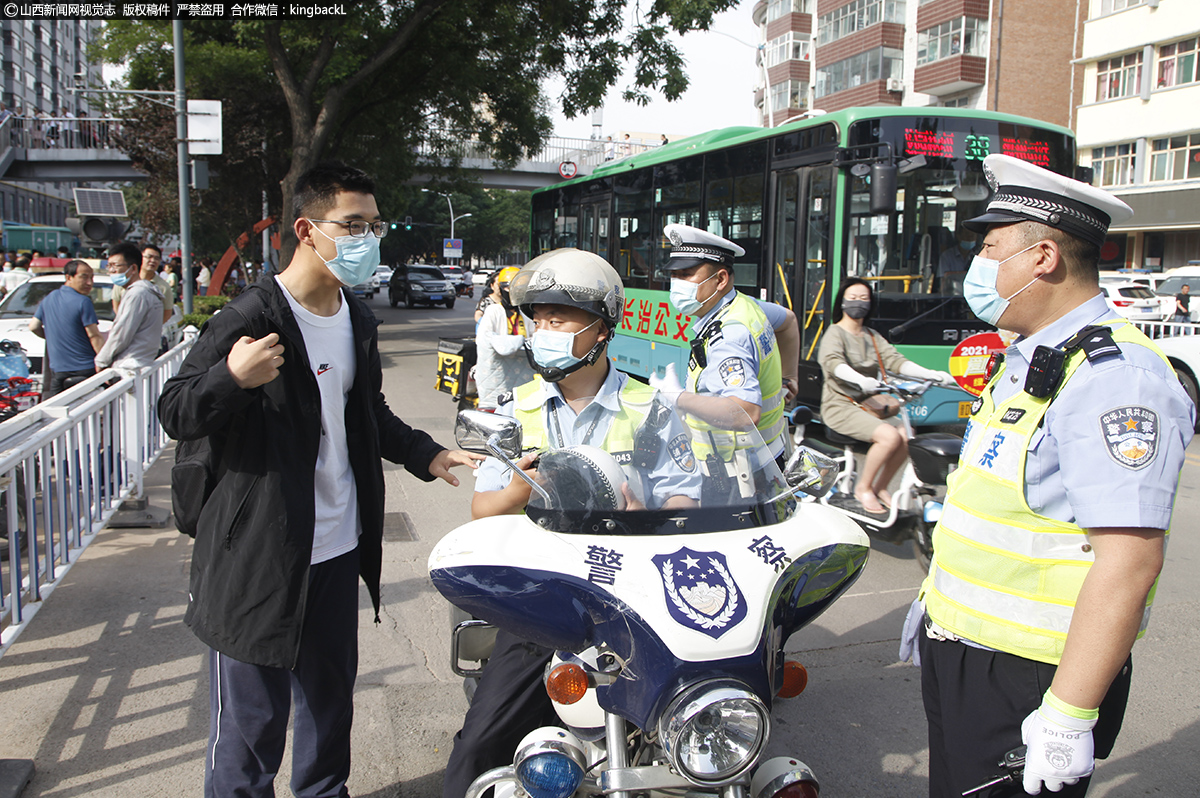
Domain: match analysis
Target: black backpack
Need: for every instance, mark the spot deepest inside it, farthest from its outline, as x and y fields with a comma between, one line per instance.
x=198, y=463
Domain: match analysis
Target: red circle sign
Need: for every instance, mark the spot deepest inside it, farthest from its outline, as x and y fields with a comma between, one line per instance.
x=969, y=360
x=567, y=170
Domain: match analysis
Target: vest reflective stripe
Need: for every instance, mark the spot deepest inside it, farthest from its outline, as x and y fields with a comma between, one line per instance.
x=1002, y=575
x=636, y=399
x=771, y=423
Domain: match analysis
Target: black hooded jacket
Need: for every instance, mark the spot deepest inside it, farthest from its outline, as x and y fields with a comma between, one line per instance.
x=254, y=538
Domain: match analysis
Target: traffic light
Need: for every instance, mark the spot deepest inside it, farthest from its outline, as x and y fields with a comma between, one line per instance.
x=407, y=222
x=97, y=231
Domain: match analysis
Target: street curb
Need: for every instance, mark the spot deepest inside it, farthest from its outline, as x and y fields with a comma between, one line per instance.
x=15, y=775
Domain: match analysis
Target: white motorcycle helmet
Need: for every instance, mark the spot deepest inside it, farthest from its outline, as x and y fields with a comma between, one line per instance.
x=574, y=278
x=584, y=478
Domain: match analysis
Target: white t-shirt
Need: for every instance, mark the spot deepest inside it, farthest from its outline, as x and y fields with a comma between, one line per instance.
x=330, y=344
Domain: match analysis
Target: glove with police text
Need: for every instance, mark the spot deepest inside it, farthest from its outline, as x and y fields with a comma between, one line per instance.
x=668, y=384
x=1059, y=741
x=914, y=625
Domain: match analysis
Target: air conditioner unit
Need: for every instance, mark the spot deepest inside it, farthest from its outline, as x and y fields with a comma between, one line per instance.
x=895, y=84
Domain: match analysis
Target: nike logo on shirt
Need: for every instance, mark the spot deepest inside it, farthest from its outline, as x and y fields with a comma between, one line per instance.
x=324, y=367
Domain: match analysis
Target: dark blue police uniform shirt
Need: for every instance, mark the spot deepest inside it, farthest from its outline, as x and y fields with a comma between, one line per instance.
x=65, y=313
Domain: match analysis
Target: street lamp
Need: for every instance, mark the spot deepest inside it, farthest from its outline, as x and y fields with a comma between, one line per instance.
x=453, y=218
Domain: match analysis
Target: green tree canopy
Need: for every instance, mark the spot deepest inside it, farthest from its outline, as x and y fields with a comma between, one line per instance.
x=374, y=87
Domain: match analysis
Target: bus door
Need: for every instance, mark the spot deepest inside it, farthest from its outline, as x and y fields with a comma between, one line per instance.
x=594, y=226
x=799, y=255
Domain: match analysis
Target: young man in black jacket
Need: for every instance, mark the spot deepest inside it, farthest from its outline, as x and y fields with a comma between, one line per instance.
x=288, y=389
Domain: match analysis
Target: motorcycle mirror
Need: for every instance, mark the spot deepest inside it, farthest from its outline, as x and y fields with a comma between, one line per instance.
x=811, y=472
x=474, y=429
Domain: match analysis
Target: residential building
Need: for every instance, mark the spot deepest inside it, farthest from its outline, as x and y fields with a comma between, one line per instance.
x=1139, y=126
x=1013, y=56
x=39, y=61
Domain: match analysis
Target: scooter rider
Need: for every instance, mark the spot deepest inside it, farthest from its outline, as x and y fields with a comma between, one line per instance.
x=575, y=300
x=1049, y=548
x=500, y=343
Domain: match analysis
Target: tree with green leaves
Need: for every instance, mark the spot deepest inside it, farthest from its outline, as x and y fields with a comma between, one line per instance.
x=369, y=87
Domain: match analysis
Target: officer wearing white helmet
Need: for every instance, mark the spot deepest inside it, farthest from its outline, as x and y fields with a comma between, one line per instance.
x=573, y=302
x=1051, y=541
x=736, y=355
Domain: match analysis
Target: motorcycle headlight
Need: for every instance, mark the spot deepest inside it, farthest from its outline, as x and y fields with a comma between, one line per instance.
x=550, y=763
x=714, y=731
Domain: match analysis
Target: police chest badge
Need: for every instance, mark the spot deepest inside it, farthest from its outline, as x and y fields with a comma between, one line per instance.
x=1131, y=435
x=700, y=591
x=732, y=372
x=680, y=449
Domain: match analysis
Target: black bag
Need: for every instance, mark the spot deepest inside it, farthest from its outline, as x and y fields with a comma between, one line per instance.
x=198, y=463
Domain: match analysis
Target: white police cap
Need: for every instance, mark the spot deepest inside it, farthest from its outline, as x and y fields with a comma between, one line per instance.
x=691, y=246
x=1024, y=192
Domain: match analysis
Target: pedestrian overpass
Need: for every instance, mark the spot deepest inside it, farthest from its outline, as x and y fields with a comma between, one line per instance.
x=85, y=150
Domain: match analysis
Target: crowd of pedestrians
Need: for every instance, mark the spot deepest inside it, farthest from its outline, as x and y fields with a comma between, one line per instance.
x=34, y=129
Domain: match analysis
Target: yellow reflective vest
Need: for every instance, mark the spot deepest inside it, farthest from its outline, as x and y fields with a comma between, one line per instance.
x=636, y=400
x=1003, y=575
x=745, y=311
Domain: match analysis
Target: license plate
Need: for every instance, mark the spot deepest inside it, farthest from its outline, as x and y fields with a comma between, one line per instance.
x=964, y=409
x=435, y=296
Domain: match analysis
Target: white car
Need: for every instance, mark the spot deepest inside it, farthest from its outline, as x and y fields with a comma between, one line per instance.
x=1171, y=284
x=1133, y=301
x=1184, y=353
x=18, y=307
x=383, y=273
x=480, y=276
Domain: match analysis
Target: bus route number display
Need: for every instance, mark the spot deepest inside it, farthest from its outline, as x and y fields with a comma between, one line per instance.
x=973, y=146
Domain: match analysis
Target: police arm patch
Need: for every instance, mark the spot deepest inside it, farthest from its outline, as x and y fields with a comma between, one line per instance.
x=732, y=372
x=1131, y=435
x=681, y=452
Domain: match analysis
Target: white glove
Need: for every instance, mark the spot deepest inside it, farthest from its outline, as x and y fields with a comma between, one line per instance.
x=1060, y=749
x=866, y=384
x=914, y=625
x=910, y=369
x=668, y=384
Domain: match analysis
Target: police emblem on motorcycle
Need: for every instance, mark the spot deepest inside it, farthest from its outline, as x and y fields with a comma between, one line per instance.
x=1131, y=435
x=700, y=591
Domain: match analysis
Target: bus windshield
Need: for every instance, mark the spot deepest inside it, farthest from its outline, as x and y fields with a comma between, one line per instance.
x=917, y=255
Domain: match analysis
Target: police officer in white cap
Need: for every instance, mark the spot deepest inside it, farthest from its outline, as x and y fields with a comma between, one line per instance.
x=739, y=352
x=1052, y=537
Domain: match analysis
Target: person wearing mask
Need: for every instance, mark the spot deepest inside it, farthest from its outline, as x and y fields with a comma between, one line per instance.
x=1051, y=541
x=737, y=354
x=136, y=334
x=289, y=386
x=575, y=300
x=500, y=344
x=67, y=319
x=854, y=359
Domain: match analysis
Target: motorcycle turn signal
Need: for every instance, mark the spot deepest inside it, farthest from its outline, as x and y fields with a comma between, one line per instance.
x=567, y=683
x=795, y=679
x=784, y=777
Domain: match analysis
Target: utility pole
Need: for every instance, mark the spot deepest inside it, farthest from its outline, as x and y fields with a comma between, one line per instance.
x=181, y=135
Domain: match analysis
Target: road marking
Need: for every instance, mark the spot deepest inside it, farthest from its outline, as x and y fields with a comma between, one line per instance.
x=1191, y=458
x=882, y=592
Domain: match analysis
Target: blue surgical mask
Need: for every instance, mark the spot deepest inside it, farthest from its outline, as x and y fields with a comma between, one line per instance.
x=967, y=245
x=556, y=350
x=683, y=295
x=120, y=279
x=356, y=258
x=979, y=287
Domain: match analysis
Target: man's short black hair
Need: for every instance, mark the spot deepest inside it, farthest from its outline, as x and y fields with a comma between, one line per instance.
x=151, y=246
x=72, y=267
x=317, y=189
x=22, y=262
x=128, y=251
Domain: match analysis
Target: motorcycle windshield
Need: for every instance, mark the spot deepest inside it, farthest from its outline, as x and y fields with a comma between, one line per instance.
x=649, y=468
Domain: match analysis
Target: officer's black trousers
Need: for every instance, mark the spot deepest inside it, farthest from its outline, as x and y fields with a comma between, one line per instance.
x=509, y=703
x=975, y=701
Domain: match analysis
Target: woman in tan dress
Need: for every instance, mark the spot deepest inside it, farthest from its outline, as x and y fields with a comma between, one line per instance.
x=850, y=356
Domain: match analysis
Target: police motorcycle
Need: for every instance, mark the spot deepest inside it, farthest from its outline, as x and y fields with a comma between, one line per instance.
x=669, y=595
x=917, y=500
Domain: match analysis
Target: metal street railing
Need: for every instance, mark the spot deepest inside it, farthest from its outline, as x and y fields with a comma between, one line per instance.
x=1166, y=329
x=66, y=466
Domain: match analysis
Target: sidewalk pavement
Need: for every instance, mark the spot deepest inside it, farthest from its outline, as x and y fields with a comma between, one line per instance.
x=107, y=690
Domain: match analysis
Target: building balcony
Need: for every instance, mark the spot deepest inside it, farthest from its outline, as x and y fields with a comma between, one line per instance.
x=875, y=92
x=951, y=75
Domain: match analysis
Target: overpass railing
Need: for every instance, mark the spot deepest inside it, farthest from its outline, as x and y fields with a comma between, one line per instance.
x=46, y=133
x=66, y=466
x=555, y=150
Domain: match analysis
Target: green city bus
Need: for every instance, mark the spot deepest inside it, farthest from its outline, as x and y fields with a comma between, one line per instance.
x=877, y=193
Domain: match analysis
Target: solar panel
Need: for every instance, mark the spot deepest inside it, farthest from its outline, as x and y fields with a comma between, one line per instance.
x=99, y=202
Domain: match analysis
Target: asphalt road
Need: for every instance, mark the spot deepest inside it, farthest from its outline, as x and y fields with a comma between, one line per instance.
x=107, y=691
